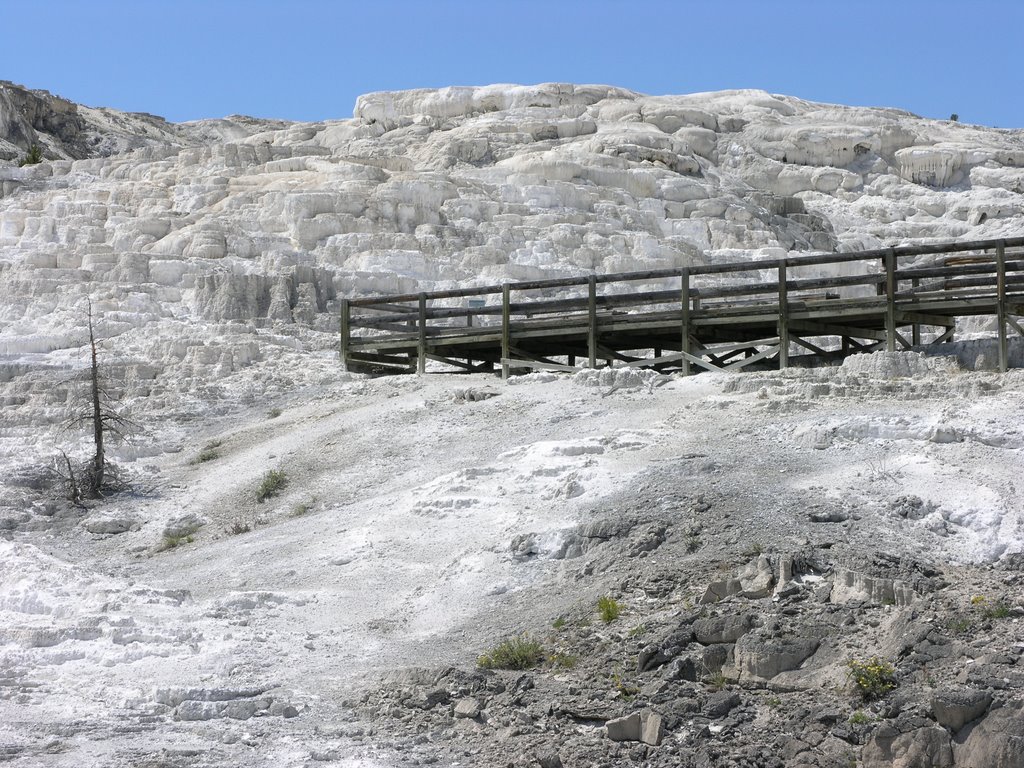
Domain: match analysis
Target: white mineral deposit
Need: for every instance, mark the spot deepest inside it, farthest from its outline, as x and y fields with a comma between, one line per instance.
x=765, y=537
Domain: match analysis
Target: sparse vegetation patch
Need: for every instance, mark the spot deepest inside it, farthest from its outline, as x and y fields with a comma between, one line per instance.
x=608, y=608
x=872, y=678
x=520, y=652
x=272, y=483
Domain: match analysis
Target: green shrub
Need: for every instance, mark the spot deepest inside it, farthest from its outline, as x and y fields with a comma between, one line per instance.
x=520, y=652
x=559, y=622
x=271, y=484
x=608, y=608
x=273, y=413
x=34, y=156
x=872, y=678
x=860, y=718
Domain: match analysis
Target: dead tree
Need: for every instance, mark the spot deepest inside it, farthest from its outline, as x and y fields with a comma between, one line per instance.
x=105, y=422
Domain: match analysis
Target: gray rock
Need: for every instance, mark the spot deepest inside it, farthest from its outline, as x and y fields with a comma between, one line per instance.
x=183, y=526
x=717, y=656
x=646, y=726
x=995, y=741
x=110, y=524
x=626, y=728
x=652, y=729
x=920, y=748
x=757, y=578
x=721, y=703
x=765, y=658
x=468, y=707
x=722, y=629
x=685, y=668
x=548, y=758
x=954, y=709
x=850, y=586
x=719, y=590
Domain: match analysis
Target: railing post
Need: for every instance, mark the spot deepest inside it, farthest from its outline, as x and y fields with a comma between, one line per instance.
x=915, y=331
x=783, y=318
x=684, y=330
x=344, y=332
x=421, y=346
x=592, y=321
x=890, y=300
x=1004, y=356
x=506, y=331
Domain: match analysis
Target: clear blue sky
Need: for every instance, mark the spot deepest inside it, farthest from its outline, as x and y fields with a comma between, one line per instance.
x=309, y=59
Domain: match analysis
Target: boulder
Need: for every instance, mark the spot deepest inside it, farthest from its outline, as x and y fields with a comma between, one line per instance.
x=995, y=741
x=722, y=629
x=919, y=748
x=954, y=709
x=646, y=726
x=468, y=707
x=109, y=524
x=626, y=728
x=652, y=729
x=765, y=658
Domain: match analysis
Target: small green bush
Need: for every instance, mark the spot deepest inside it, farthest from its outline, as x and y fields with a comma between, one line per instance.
x=238, y=526
x=559, y=622
x=860, y=718
x=34, y=156
x=520, y=652
x=273, y=413
x=608, y=608
x=872, y=678
x=271, y=484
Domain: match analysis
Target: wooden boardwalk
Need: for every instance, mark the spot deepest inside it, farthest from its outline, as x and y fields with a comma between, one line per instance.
x=714, y=316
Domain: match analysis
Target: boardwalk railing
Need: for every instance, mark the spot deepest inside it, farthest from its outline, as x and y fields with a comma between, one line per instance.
x=713, y=316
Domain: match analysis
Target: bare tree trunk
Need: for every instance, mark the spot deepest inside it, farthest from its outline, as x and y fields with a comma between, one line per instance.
x=98, y=460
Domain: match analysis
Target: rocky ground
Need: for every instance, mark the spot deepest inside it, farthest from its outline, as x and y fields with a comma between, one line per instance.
x=756, y=532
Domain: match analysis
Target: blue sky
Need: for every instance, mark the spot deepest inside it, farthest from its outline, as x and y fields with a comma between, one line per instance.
x=309, y=59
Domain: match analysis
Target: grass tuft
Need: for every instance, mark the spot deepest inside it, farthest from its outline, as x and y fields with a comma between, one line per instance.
x=520, y=652
x=271, y=484
x=609, y=609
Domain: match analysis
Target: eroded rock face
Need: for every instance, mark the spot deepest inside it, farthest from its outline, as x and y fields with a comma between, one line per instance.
x=765, y=658
x=997, y=741
x=918, y=748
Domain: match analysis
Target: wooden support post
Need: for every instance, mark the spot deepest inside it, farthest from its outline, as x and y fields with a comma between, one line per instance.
x=684, y=303
x=592, y=321
x=506, y=331
x=1004, y=357
x=421, y=344
x=344, y=331
x=915, y=332
x=890, y=300
x=783, y=318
